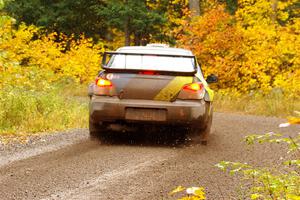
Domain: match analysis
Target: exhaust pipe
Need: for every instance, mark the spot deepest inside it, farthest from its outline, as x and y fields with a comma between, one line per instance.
x=119, y=127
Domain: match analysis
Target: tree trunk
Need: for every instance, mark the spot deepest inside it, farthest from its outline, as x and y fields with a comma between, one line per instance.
x=127, y=32
x=274, y=8
x=194, y=6
x=137, y=40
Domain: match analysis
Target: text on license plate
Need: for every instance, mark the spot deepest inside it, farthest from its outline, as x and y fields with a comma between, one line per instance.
x=146, y=114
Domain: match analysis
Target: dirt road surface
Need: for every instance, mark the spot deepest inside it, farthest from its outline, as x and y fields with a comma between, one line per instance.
x=135, y=166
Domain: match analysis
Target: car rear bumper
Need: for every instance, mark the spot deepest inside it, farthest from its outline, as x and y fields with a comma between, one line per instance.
x=112, y=109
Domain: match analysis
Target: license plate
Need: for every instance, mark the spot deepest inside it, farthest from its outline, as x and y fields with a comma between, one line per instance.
x=142, y=114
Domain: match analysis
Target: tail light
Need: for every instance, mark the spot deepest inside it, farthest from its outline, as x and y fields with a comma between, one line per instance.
x=194, y=87
x=100, y=82
x=104, y=87
x=148, y=72
x=193, y=91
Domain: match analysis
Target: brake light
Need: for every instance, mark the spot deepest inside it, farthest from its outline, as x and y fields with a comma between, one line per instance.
x=147, y=72
x=192, y=91
x=193, y=87
x=100, y=82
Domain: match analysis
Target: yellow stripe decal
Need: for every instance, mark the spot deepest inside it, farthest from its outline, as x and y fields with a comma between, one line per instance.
x=169, y=92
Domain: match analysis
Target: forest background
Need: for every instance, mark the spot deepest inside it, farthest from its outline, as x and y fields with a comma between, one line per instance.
x=51, y=50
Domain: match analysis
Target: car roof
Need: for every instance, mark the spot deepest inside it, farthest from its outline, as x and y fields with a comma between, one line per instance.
x=155, y=50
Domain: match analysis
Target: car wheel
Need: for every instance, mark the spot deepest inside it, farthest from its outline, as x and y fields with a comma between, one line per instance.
x=201, y=135
x=96, y=130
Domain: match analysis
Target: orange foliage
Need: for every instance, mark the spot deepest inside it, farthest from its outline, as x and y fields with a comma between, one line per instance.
x=246, y=54
x=217, y=45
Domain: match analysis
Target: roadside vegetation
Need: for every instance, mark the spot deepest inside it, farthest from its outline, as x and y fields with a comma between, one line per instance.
x=255, y=53
x=274, y=103
x=43, y=81
x=192, y=193
x=281, y=181
x=24, y=112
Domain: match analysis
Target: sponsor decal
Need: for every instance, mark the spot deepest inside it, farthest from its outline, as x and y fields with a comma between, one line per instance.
x=109, y=76
x=172, y=89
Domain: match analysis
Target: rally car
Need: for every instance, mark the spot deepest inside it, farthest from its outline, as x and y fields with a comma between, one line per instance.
x=151, y=84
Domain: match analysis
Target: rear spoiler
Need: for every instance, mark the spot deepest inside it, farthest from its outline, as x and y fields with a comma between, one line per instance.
x=106, y=68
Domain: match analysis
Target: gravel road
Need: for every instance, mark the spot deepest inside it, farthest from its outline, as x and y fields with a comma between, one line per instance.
x=70, y=166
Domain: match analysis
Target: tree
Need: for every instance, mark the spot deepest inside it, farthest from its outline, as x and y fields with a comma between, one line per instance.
x=94, y=18
x=231, y=5
x=194, y=7
x=134, y=17
x=66, y=16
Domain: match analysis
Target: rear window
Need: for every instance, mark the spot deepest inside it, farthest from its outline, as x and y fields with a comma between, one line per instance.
x=152, y=62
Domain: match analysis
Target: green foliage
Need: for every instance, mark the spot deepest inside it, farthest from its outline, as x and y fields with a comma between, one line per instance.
x=93, y=18
x=67, y=16
x=282, y=182
x=133, y=17
x=231, y=5
x=31, y=111
x=146, y=20
x=275, y=103
x=293, y=143
x=39, y=80
x=266, y=183
x=1, y=4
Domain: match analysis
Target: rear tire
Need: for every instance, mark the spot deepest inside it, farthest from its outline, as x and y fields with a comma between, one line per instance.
x=201, y=135
x=96, y=130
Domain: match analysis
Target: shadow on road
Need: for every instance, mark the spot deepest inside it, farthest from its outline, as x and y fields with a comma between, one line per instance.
x=148, y=136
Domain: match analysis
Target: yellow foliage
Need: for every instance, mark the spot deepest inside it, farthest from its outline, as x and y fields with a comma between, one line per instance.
x=250, y=51
x=34, y=70
x=191, y=193
x=23, y=49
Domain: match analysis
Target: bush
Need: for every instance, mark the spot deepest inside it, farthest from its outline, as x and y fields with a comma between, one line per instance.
x=282, y=182
x=65, y=57
x=40, y=78
x=32, y=111
x=276, y=103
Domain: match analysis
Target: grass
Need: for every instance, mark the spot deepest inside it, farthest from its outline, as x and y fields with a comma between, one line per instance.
x=273, y=104
x=24, y=113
